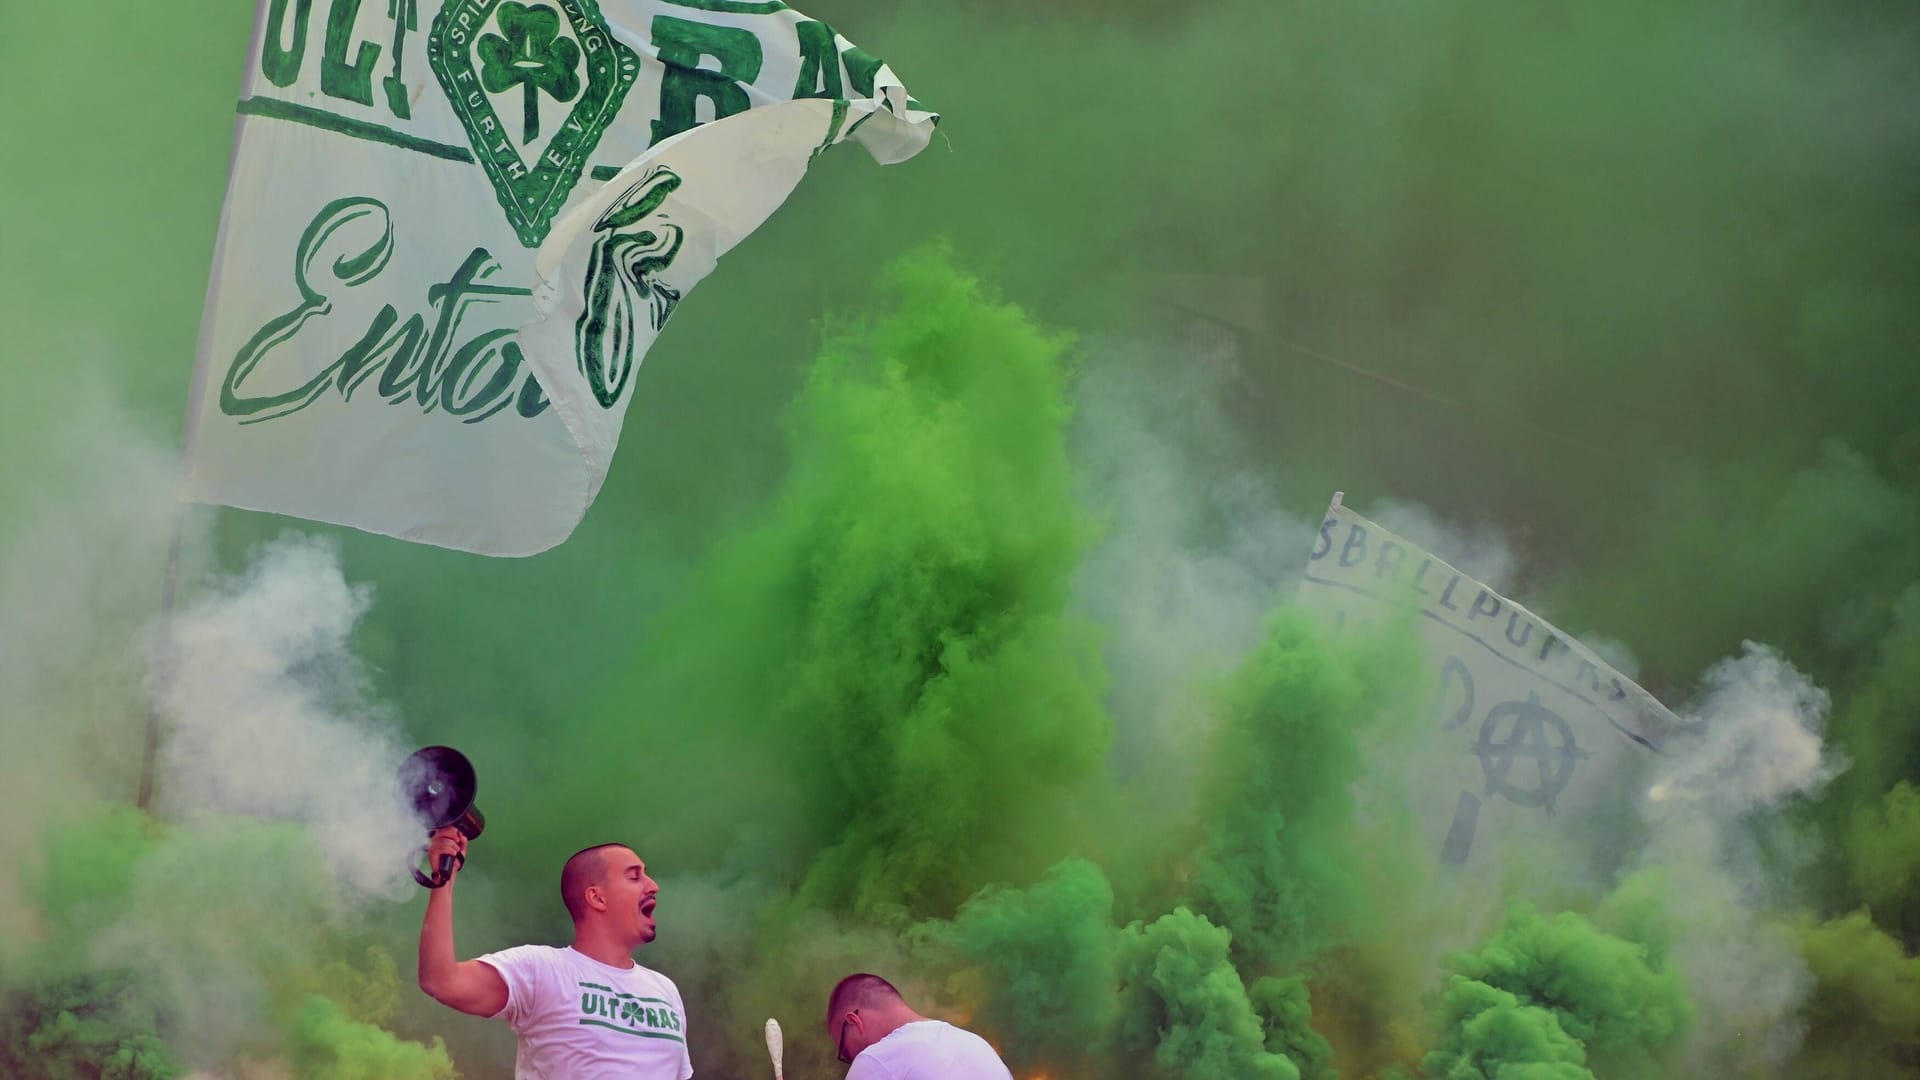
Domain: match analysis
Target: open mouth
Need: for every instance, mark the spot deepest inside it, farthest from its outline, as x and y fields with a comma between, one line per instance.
x=646, y=907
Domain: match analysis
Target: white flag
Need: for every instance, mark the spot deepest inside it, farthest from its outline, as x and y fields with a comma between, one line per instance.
x=1532, y=723
x=453, y=229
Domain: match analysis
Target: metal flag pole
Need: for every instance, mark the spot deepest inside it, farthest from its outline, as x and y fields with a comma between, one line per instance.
x=196, y=388
x=162, y=658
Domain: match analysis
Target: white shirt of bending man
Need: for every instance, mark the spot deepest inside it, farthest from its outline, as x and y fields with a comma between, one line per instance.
x=885, y=1039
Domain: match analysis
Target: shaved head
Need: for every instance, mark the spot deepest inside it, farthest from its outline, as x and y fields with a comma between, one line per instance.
x=586, y=867
x=860, y=991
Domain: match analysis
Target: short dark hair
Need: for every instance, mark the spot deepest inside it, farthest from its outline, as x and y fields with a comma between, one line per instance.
x=584, y=867
x=859, y=991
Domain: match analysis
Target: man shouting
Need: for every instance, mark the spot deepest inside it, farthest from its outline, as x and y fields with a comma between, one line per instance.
x=584, y=1012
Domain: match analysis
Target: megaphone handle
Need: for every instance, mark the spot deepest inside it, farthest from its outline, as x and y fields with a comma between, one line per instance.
x=441, y=874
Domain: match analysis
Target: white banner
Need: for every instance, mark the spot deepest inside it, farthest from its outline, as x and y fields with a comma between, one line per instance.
x=1531, y=722
x=452, y=230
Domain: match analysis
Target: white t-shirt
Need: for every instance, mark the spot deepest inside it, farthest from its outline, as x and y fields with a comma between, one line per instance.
x=929, y=1050
x=580, y=1019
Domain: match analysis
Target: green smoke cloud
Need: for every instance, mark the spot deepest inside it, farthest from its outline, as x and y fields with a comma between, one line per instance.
x=168, y=946
x=1042, y=966
x=1184, y=1008
x=1284, y=855
x=893, y=631
x=1284, y=1007
x=325, y=1044
x=934, y=653
x=1865, y=1011
x=90, y=1024
x=1282, y=867
x=65, y=1019
x=1885, y=853
x=1495, y=1034
x=1558, y=990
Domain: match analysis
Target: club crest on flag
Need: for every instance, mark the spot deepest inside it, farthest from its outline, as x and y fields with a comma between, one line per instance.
x=534, y=85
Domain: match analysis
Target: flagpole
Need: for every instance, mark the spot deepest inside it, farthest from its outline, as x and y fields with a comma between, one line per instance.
x=189, y=436
x=162, y=658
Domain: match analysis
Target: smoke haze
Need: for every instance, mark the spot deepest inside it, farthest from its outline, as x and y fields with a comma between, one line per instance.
x=934, y=619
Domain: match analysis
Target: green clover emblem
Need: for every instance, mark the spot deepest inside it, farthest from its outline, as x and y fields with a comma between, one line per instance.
x=532, y=55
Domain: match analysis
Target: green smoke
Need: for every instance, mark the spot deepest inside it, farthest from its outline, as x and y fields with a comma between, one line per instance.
x=1071, y=995
x=84, y=1024
x=1865, y=1012
x=1185, y=1011
x=1303, y=874
x=167, y=946
x=1041, y=964
x=62, y=1019
x=1287, y=1013
x=325, y=1044
x=1886, y=860
x=1495, y=1034
x=1556, y=990
x=1282, y=867
x=932, y=655
x=890, y=639
x=338, y=1030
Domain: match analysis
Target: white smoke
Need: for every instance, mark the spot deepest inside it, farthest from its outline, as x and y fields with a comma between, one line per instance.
x=1761, y=743
x=83, y=552
x=1193, y=557
x=1479, y=551
x=268, y=714
x=274, y=826
x=1718, y=838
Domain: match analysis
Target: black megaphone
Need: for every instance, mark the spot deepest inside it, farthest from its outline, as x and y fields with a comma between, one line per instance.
x=439, y=784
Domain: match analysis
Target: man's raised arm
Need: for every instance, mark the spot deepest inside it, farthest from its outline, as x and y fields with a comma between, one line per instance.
x=467, y=985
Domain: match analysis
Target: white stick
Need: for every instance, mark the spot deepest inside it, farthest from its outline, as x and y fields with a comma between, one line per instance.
x=776, y=1047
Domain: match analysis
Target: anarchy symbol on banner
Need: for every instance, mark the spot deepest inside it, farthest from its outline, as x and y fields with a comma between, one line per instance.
x=1517, y=730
